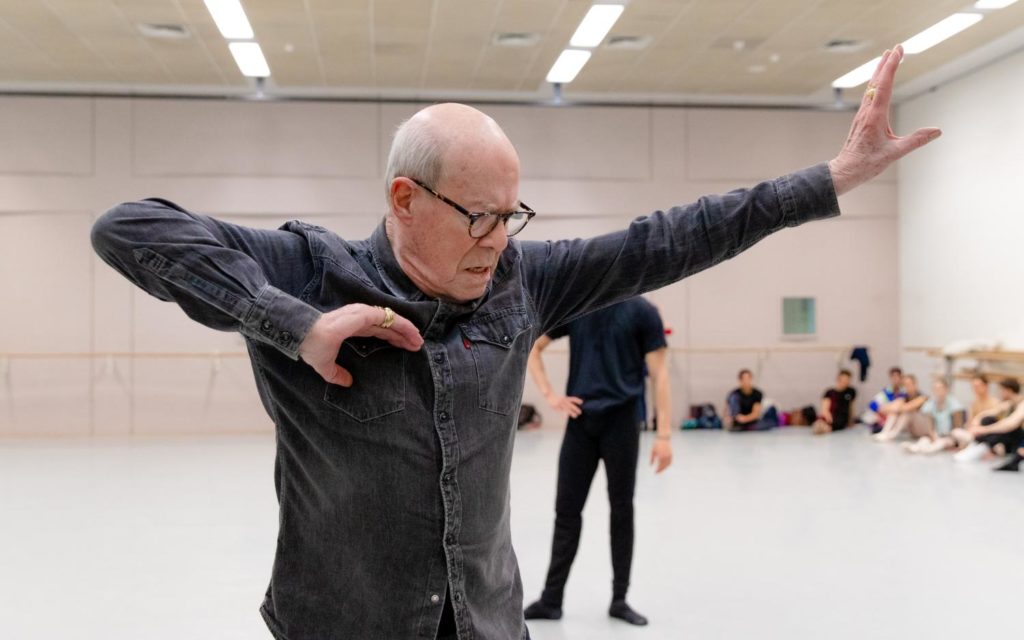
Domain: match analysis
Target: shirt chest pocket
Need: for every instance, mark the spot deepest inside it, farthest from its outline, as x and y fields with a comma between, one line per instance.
x=378, y=380
x=500, y=345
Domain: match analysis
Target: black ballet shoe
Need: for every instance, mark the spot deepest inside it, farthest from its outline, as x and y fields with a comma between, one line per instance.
x=542, y=611
x=623, y=611
x=1012, y=465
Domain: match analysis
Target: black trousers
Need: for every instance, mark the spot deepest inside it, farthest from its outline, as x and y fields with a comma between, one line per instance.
x=614, y=437
x=1011, y=440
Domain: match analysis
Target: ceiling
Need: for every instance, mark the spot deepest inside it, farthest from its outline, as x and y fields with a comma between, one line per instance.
x=445, y=47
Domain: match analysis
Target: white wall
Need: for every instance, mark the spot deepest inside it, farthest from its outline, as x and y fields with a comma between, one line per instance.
x=64, y=161
x=962, y=215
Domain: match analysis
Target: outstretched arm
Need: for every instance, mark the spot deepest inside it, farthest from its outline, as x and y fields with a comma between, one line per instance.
x=569, y=278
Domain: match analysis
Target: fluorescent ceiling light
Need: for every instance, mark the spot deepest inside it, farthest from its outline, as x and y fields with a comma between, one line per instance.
x=568, y=65
x=940, y=31
x=596, y=25
x=230, y=19
x=993, y=4
x=249, y=58
x=858, y=76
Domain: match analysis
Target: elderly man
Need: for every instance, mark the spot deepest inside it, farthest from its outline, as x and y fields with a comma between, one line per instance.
x=393, y=367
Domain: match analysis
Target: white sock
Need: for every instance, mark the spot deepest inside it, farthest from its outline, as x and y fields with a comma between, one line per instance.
x=920, y=445
x=935, y=446
x=973, y=453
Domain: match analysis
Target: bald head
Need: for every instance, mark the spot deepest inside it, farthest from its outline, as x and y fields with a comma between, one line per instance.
x=462, y=154
x=446, y=142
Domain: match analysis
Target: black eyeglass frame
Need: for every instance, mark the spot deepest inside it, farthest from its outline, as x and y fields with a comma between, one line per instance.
x=473, y=218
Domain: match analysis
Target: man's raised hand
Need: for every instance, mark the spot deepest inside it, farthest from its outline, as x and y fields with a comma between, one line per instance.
x=872, y=146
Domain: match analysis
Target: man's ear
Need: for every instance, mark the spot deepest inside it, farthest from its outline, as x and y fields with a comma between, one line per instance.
x=402, y=190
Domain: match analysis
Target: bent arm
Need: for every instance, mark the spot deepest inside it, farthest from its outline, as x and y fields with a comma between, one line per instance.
x=1010, y=422
x=755, y=413
x=216, y=272
x=567, y=278
x=988, y=413
x=826, y=408
x=915, y=404
x=535, y=364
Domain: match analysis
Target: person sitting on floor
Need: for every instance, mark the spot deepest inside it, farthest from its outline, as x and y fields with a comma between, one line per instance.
x=836, y=406
x=902, y=413
x=939, y=416
x=998, y=431
x=983, y=400
x=884, y=401
x=743, y=405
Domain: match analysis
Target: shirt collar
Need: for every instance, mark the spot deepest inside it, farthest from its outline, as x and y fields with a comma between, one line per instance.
x=390, y=271
x=403, y=287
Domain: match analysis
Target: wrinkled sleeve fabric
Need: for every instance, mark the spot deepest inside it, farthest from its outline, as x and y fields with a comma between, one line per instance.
x=568, y=278
x=227, y=277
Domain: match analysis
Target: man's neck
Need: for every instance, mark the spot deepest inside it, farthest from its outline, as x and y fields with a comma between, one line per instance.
x=406, y=267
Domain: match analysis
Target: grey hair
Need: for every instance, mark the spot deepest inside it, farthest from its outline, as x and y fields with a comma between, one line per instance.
x=416, y=152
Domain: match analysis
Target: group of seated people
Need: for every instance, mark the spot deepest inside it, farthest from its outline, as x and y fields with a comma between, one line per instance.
x=992, y=427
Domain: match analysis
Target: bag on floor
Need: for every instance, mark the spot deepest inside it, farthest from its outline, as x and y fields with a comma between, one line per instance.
x=529, y=417
x=703, y=416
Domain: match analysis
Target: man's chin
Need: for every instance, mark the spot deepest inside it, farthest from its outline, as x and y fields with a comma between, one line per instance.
x=468, y=294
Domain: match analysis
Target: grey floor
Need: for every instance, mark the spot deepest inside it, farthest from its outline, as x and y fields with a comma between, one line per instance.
x=768, y=535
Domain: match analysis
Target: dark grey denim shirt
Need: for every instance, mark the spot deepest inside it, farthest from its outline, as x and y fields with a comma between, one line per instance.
x=397, y=488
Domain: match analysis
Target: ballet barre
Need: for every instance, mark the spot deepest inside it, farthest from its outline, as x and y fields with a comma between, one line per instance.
x=983, y=359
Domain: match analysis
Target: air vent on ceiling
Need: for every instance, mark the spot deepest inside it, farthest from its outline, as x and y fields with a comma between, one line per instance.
x=844, y=46
x=631, y=43
x=164, y=31
x=516, y=39
x=737, y=44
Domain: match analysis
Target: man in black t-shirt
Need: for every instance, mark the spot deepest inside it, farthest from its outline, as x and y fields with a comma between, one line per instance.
x=608, y=350
x=743, y=405
x=836, y=406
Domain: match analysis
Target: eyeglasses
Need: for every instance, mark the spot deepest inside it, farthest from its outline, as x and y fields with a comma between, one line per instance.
x=480, y=224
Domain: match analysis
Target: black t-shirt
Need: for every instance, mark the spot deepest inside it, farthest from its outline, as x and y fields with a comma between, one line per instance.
x=606, y=352
x=839, y=405
x=747, y=400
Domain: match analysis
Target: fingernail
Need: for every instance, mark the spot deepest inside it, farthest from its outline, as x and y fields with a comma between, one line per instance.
x=935, y=134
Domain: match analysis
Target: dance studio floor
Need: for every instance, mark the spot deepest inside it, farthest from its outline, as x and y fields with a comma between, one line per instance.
x=748, y=536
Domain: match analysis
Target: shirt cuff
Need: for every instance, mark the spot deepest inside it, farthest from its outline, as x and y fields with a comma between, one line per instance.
x=807, y=195
x=279, y=320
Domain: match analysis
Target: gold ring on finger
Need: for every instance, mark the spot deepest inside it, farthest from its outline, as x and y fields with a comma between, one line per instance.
x=389, y=318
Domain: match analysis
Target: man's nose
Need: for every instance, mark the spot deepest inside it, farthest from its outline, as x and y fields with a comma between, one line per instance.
x=497, y=239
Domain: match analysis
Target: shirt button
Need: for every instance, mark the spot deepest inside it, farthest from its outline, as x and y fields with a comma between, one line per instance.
x=450, y=539
x=267, y=325
x=506, y=339
x=435, y=598
x=285, y=336
x=443, y=415
x=458, y=597
x=438, y=358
